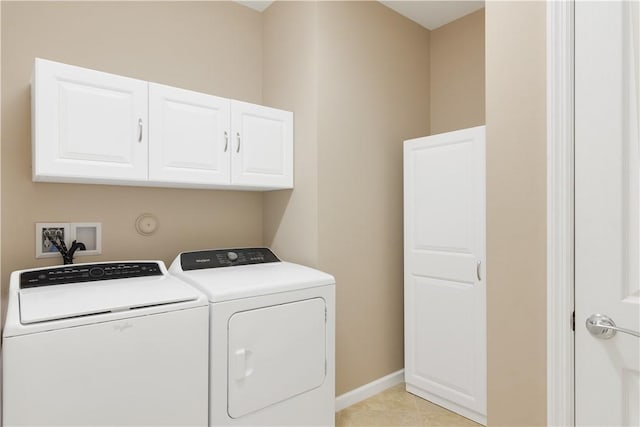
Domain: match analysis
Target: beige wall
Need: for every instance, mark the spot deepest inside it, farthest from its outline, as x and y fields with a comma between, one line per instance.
x=290, y=82
x=357, y=76
x=373, y=87
x=516, y=213
x=184, y=44
x=457, y=74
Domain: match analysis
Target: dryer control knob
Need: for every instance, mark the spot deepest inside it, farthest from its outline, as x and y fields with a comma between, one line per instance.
x=232, y=256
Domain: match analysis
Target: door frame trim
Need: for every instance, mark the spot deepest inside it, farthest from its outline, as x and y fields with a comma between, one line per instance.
x=560, y=213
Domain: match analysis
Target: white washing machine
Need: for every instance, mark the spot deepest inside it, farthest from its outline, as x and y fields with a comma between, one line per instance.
x=272, y=337
x=118, y=343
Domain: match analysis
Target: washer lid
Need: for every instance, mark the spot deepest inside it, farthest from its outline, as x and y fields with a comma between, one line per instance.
x=45, y=303
x=224, y=284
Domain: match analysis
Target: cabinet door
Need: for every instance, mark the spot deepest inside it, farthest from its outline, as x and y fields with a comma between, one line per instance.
x=189, y=136
x=262, y=154
x=88, y=126
x=444, y=285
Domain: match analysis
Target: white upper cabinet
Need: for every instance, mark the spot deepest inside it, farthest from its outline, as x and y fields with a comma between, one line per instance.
x=98, y=128
x=263, y=146
x=87, y=125
x=189, y=133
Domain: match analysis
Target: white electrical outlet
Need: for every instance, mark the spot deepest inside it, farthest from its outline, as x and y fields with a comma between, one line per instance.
x=45, y=232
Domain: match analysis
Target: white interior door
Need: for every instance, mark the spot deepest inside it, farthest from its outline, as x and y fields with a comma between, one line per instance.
x=445, y=319
x=607, y=368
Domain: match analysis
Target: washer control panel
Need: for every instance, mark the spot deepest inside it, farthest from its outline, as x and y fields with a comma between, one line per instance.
x=216, y=258
x=88, y=273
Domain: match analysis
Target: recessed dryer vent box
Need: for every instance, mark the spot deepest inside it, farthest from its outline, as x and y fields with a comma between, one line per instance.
x=89, y=233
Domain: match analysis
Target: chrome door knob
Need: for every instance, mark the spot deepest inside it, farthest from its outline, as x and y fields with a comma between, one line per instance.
x=603, y=327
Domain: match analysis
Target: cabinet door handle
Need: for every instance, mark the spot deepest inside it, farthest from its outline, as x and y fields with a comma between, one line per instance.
x=226, y=141
x=478, y=270
x=139, y=130
x=238, y=137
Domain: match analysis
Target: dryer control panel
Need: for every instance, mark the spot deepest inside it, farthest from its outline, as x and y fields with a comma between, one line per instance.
x=88, y=273
x=216, y=258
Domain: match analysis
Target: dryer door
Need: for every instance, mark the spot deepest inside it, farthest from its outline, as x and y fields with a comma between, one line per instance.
x=275, y=353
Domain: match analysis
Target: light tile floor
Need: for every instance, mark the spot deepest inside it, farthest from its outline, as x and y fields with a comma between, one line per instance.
x=396, y=407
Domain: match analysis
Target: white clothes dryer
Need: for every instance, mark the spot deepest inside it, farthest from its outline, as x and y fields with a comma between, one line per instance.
x=116, y=343
x=272, y=334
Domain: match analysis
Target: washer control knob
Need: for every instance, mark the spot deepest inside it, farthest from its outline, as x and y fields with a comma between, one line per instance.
x=96, y=272
x=232, y=256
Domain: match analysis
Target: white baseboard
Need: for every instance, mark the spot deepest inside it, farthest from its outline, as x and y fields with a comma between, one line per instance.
x=368, y=390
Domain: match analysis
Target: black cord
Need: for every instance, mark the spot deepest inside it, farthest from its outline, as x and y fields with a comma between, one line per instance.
x=63, y=251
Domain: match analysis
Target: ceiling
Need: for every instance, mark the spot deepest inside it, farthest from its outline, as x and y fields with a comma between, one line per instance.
x=431, y=14
x=434, y=14
x=258, y=5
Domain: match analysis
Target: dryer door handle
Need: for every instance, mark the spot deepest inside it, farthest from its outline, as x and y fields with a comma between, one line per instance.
x=242, y=364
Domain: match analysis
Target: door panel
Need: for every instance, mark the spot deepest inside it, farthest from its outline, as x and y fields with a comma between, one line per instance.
x=88, y=125
x=189, y=136
x=445, y=339
x=78, y=121
x=606, y=211
x=444, y=204
x=262, y=146
x=449, y=304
